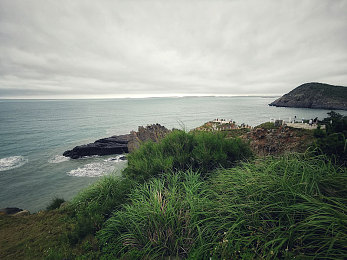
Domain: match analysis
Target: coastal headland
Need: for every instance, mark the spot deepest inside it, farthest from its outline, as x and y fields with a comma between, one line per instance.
x=314, y=95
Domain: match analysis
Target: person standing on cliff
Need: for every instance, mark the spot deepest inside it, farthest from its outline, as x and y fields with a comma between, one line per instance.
x=310, y=122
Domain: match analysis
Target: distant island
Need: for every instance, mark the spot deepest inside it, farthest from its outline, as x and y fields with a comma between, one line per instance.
x=314, y=95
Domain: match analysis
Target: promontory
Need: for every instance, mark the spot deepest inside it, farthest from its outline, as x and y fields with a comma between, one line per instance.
x=314, y=95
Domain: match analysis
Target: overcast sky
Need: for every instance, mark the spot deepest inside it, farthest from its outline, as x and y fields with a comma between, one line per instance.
x=80, y=49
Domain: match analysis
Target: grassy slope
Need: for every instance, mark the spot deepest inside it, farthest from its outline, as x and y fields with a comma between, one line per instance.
x=287, y=207
x=31, y=237
x=267, y=208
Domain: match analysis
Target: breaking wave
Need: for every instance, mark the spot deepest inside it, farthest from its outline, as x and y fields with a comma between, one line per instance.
x=12, y=162
x=58, y=159
x=92, y=170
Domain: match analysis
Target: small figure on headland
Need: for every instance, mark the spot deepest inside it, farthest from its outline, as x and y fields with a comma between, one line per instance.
x=310, y=122
x=315, y=121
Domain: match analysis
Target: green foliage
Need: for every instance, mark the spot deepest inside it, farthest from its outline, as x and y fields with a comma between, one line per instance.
x=267, y=126
x=336, y=123
x=236, y=132
x=160, y=220
x=55, y=203
x=333, y=142
x=290, y=207
x=181, y=151
x=92, y=206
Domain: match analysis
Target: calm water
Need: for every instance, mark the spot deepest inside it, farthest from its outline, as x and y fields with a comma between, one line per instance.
x=34, y=134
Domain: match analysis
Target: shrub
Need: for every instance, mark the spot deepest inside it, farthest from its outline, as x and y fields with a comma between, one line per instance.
x=267, y=126
x=55, y=203
x=180, y=151
x=333, y=142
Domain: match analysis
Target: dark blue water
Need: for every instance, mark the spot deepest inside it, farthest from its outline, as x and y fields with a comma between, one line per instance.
x=34, y=134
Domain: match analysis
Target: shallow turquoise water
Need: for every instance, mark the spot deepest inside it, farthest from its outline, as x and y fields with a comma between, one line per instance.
x=34, y=133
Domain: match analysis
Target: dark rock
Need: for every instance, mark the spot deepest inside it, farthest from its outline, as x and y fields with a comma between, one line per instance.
x=104, y=146
x=314, y=95
x=119, y=144
x=22, y=213
x=122, y=158
x=10, y=211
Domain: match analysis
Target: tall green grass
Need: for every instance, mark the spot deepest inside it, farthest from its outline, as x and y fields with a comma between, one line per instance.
x=92, y=206
x=161, y=219
x=181, y=151
x=293, y=206
x=278, y=208
x=177, y=151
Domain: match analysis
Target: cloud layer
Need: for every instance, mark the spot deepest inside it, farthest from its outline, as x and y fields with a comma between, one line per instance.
x=77, y=49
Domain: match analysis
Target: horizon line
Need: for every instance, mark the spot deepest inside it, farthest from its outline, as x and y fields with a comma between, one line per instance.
x=139, y=96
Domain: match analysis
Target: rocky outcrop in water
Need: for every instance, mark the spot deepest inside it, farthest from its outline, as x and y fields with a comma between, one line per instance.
x=314, y=95
x=14, y=212
x=105, y=146
x=119, y=144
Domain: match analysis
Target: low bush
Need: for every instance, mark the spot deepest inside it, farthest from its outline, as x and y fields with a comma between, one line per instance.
x=55, y=203
x=180, y=151
x=267, y=126
x=333, y=141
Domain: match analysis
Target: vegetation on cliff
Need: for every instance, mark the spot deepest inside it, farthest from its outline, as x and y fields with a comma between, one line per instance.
x=198, y=196
x=287, y=207
x=333, y=141
x=314, y=95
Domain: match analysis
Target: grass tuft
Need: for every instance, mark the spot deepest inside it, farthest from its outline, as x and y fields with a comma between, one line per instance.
x=161, y=219
x=92, y=206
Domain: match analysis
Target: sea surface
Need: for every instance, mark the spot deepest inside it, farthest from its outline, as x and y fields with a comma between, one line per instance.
x=35, y=133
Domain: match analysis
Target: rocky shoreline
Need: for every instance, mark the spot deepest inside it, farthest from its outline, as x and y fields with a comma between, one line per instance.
x=119, y=144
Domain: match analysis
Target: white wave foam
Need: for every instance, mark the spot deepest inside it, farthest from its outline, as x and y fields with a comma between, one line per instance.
x=12, y=162
x=58, y=159
x=89, y=157
x=118, y=158
x=92, y=170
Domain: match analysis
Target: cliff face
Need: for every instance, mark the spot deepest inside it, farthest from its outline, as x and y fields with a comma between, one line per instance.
x=119, y=144
x=314, y=95
x=153, y=132
x=278, y=141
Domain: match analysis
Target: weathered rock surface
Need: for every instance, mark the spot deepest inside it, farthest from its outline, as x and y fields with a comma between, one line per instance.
x=119, y=144
x=314, y=95
x=153, y=132
x=22, y=213
x=278, y=141
x=14, y=212
x=104, y=146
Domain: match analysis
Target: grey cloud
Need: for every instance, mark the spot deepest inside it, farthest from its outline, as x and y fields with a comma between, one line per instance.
x=108, y=48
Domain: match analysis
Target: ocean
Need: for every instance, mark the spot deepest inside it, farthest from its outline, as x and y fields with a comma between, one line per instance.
x=35, y=133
